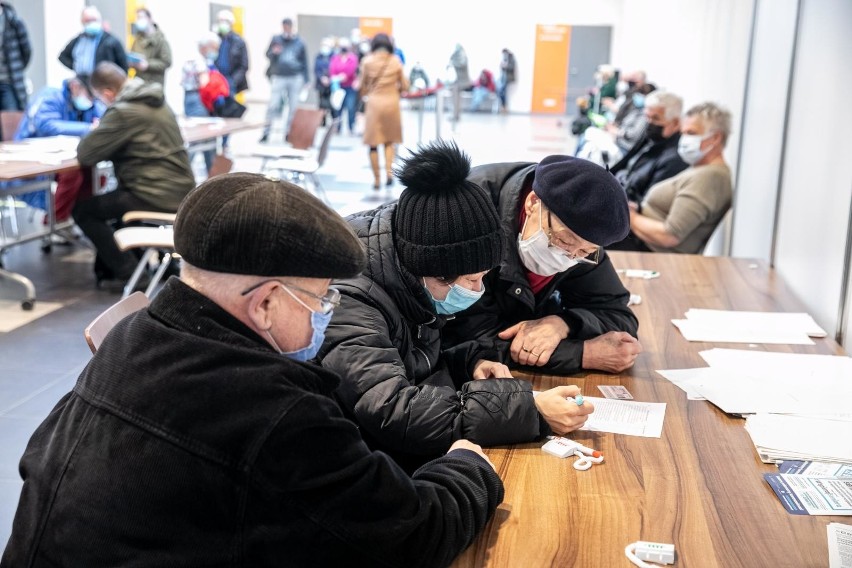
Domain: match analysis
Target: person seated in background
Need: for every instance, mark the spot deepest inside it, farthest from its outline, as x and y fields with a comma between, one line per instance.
x=654, y=157
x=140, y=136
x=556, y=301
x=632, y=82
x=681, y=213
x=70, y=111
x=632, y=125
x=482, y=87
x=418, y=79
x=150, y=43
x=195, y=79
x=198, y=436
x=428, y=254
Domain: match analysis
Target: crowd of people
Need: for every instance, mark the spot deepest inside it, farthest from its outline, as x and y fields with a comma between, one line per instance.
x=670, y=164
x=311, y=385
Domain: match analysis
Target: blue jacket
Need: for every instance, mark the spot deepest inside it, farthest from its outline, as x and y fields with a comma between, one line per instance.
x=52, y=113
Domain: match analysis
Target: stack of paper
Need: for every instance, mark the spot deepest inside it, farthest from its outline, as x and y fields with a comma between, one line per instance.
x=748, y=382
x=626, y=417
x=778, y=437
x=748, y=327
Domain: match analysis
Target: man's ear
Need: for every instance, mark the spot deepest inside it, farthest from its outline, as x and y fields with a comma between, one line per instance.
x=530, y=202
x=259, y=306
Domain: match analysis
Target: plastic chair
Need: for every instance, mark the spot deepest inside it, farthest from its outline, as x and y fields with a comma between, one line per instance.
x=302, y=135
x=157, y=242
x=297, y=169
x=96, y=331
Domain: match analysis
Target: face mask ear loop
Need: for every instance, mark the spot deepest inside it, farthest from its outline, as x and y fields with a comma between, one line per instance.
x=274, y=343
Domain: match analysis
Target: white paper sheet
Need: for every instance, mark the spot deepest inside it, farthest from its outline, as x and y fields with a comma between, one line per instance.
x=839, y=545
x=687, y=380
x=626, y=417
x=799, y=321
x=804, y=368
x=778, y=437
x=743, y=333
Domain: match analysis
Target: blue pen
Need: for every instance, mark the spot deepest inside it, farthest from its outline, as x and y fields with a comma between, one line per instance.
x=579, y=400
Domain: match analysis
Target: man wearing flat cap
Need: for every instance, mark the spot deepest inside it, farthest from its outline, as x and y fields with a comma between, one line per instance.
x=200, y=434
x=556, y=300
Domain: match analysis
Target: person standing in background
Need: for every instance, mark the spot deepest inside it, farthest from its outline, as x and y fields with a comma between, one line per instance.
x=507, y=77
x=150, y=43
x=288, y=72
x=322, y=80
x=15, y=52
x=232, y=61
x=382, y=81
x=458, y=63
x=344, y=71
x=94, y=45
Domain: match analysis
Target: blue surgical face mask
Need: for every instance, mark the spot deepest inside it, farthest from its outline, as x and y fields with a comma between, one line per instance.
x=457, y=300
x=638, y=100
x=319, y=323
x=93, y=28
x=82, y=103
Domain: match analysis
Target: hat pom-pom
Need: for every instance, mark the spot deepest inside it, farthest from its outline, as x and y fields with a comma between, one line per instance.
x=434, y=167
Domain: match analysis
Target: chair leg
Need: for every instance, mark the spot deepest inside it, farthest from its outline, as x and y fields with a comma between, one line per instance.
x=137, y=273
x=164, y=265
x=13, y=216
x=319, y=189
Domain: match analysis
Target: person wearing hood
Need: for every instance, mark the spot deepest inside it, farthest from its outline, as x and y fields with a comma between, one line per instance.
x=70, y=111
x=94, y=45
x=556, y=304
x=139, y=134
x=150, y=43
x=428, y=254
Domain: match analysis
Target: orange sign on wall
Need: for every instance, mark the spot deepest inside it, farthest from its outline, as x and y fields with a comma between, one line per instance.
x=372, y=26
x=550, y=69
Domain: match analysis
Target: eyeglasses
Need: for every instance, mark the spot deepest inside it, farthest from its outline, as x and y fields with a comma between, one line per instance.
x=561, y=246
x=327, y=302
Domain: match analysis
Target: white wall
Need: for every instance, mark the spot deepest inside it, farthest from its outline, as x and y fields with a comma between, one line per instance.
x=763, y=129
x=816, y=185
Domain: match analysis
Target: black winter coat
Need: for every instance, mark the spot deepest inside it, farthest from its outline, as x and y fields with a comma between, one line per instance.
x=15, y=43
x=410, y=399
x=109, y=49
x=188, y=441
x=238, y=60
x=591, y=299
x=654, y=163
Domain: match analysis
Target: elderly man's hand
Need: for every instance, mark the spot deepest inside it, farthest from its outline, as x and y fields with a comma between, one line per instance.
x=468, y=445
x=485, y=369
x=614, y=352
x=561, y=414
x=535, y=340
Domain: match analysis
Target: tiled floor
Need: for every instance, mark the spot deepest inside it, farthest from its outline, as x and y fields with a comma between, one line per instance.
x=40, y=361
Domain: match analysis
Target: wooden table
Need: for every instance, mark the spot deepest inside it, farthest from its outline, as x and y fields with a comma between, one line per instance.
x=206, y=133
x=699, y=487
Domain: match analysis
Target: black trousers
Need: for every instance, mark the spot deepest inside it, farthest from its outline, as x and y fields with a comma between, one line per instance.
x=98, y=218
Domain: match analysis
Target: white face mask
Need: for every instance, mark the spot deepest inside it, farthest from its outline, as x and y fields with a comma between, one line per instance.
x=536, y=253
x=689, y=147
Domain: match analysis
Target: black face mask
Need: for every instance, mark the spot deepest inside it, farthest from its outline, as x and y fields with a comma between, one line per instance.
x=654, y=132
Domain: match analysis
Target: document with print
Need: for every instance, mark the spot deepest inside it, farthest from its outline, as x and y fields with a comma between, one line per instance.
x=626, y=417
x=839, y=545
x=806, y=495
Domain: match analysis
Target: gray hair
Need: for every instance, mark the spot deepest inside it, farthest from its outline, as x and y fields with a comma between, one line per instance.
x=715, y=118
x=211, y=39
x=672, y=103
x=226, y=15
x=92, y=11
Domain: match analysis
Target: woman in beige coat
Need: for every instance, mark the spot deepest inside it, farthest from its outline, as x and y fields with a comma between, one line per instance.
x=382, y=81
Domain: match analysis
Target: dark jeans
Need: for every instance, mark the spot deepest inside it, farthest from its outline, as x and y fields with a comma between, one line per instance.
x=350, y=104
x=98, y=217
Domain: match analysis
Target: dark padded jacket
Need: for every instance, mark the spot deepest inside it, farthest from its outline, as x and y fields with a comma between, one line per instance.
x=654, y=163
x=188, y=441
x=410, y=399
x=591, y=299
x=109, y=49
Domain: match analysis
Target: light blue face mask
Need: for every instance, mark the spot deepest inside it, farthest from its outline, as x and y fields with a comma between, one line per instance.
x=319, y=322
x=93, y=28
x=638, y=100
x=457, y=300
x=82, y=103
